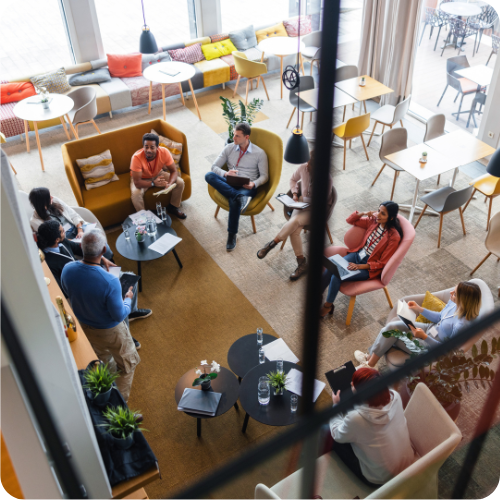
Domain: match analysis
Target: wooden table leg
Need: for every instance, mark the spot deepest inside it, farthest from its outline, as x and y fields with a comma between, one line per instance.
x=163, y=99
x=194, y=98
x=27, y=136
x=281, y=75
x=150, y=96
x=182, y=94
x=39, y=145
x=65, y=129
x=71, y=127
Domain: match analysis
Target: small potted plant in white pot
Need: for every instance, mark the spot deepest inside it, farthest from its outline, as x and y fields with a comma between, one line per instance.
x=99, y=383
x=205, y=377
x=121, y=425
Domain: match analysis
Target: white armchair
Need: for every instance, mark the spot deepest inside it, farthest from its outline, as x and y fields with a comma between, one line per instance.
x=312, y=50
x=433, y=444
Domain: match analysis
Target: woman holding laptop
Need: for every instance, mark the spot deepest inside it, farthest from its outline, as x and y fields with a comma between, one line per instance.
x=299, y=218
x=382, y=236
x=462, y=308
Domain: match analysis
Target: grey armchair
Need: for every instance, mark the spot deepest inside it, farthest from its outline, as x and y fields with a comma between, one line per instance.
x=306, y=83
x=312, y=50
x=84, y=108
x=479, y=98
x=495, y=45
x=443, y=201
x=459, y=30
x=433, y=19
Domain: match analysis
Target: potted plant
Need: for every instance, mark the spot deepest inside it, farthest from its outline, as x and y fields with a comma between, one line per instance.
x=236, y=113
x=99, y=383
x=204, y=379
x=44, y=97
x=278, y=381
x=140, y=233
x=121, y=425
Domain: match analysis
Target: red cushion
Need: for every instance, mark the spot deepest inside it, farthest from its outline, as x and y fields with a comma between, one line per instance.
x=125, y=65
x=17, y=91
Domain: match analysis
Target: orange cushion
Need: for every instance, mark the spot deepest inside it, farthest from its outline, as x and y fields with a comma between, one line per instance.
x=17, y=91
x=125, y=65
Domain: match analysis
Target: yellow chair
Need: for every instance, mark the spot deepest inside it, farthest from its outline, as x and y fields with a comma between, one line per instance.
x=488, y=185
x=354, y=127
x=272, y=144
x=2, y=140
x=249, y=69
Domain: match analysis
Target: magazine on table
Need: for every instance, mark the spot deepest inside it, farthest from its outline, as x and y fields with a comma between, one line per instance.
x=202, y=402
x=338, y=266
x=407, y=316
x=288, y=202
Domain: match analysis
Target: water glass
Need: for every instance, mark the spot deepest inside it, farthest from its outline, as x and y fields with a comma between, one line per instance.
x=164, y=214
x=294, y=403
x=264, y=391
x=260, y=336
x=126, y=230
x=149, y=226
x=158, y=209
x=279, y=365
x=262, y=356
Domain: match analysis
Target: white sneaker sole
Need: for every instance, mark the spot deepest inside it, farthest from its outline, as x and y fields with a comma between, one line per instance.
x=140, y=317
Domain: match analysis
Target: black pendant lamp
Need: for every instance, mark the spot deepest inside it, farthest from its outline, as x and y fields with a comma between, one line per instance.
x=297, y=149
x=493, y=167
x=147, y=42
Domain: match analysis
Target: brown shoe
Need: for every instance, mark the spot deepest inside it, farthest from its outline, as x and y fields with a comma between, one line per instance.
x=264, y=251
x=326, y=309
x=176, y=211
x=301, y=269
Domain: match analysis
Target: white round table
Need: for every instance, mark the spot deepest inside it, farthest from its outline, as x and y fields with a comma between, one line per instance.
x=461, y=9
x=59, y=106
x=162, y=73
x=282, y=46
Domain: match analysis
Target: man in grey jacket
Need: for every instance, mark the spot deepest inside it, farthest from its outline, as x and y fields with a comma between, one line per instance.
x=246, y=160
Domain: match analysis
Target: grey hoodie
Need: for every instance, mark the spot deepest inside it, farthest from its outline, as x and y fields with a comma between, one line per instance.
x=379, y=438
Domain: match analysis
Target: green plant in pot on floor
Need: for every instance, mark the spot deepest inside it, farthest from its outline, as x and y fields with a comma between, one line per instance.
x=121, y=425
x=278, y=381
x=99, y=383
x=236, y=113
x=206, y=373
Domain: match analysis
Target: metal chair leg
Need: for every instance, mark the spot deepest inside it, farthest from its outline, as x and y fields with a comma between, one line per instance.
x=439, y=102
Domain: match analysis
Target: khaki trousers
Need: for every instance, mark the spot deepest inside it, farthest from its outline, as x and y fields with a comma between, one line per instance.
x=115, y=347
x=138, y=193
x=293, y=227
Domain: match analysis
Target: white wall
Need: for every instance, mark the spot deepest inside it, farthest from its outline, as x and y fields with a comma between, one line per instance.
x=490, y=121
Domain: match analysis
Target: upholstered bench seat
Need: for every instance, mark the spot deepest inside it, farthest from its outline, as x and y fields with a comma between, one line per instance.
x=214, y=72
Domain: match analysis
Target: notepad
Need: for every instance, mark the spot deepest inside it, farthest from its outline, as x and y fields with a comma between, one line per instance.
x=169, y=74
x=165, y=243
x=294, y=384
x=288, y=202
x=167, y=190
x=202, y=402
x=340, y=379
x=115, y=271
x=406, y=314
x=279, y=350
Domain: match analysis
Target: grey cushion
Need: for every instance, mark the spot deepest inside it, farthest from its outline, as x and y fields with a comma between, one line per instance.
x=150, y=59
x=99, y=63
x=119, y=94
x=173, y=46
x=243, y=39
x=93, y=76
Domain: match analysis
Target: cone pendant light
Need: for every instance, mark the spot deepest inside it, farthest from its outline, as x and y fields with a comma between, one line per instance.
x=147, y=42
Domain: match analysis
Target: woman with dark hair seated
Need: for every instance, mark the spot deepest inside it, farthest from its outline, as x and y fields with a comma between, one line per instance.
x=383, y=234
x=373, y=439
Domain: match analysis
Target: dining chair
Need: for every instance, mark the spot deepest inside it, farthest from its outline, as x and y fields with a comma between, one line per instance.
x=435, y=128
x=495, y=45
x=393, y=140
x=305, y=83
x=84, y=108
x=479, y=98
x=354, y=127
x=484, y=21
x=312, y=49
x=458, y=30
x=390, y=115
x=489, y=185
x=444, y=201
x=492, y=242
x=345, y=73
x=248, y=69
x=433, y=19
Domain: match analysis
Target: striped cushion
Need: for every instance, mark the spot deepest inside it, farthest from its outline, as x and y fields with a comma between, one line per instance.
x=175, y=148
x=189, y=55
x=97, y=170
x=55, y=82
x=219, y=38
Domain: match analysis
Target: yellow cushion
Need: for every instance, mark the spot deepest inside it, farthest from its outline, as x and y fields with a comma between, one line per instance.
x=217, y=49
x=276, y=30
x=98, y=170
x=432, y=303
x=214, y=72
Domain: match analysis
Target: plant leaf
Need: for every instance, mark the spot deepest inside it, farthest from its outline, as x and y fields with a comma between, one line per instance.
x=474, y=372
x=474, y=351
x=492, y=374
x=466, y=374
x=484, y=347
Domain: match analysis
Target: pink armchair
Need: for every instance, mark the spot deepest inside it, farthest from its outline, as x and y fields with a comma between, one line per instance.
x=352, y=239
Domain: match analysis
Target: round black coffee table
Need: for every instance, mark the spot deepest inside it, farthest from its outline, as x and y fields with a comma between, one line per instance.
x=277, y=411
x=225, y=383
x=132, y=250
x=243, y=355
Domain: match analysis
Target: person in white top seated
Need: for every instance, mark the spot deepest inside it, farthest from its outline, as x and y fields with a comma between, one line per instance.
x=373, y=439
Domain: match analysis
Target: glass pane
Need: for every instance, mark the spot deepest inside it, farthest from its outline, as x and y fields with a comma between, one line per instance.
x=120, y=22
x=237, y=14
x=34, y=43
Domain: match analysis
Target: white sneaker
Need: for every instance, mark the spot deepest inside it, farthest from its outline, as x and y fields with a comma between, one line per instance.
x=361, y=357
x=363, y=365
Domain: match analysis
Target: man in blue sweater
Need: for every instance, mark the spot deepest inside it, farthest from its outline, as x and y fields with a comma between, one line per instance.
x=96, y=299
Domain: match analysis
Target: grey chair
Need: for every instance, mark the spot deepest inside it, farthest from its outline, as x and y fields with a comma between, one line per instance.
x=459, y=30
x=312, y=50
x=84, y=108
x=390, y=115
x=479, y=98
x=495, y=45
x=392, y=141
x=345, y=73
x=434, y=20
x=485, y=21
x=306, y=83
x=446, y=200
x=435, y=128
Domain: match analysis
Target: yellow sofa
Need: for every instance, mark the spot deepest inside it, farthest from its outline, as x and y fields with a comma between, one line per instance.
x=111, y=203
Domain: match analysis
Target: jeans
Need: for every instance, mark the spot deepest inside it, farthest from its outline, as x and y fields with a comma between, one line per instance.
x=335, y=282
x=232, y=194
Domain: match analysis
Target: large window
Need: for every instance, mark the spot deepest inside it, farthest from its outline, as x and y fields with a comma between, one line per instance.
x=32, y=38
x=237, y=14
x=120, y=22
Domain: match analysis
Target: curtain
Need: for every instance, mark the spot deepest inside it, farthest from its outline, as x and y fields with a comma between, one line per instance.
x=389, y=41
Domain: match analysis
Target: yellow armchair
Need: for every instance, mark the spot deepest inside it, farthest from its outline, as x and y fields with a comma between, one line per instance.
x=249, y=69
x=354, y=127
x=272, y=144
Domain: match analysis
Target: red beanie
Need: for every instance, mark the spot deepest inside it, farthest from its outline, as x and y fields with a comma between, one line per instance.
x=364, y=375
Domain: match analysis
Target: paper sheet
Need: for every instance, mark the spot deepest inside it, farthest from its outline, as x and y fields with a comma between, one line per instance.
x=166, y=191
x=115, y=271
x=88, y=227
x=294, y=384
x=165, y=243
x=140, y=217
x=279, y=350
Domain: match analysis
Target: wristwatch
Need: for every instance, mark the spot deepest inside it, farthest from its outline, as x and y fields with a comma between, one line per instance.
x=152, y=183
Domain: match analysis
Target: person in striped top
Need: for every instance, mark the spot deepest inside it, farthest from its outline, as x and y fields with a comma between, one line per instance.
x=382, y=236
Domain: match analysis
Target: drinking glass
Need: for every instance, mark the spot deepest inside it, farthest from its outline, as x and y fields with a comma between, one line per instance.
x=279, y=365
x=264, y=391
x=149, y=226
x=262, y=356
x=260, y=336
x=158, y=209
x=164, y=214
x=126, y=232
x=294, y=403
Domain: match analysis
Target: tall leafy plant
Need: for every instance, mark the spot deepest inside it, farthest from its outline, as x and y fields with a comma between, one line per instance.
x=235, y=113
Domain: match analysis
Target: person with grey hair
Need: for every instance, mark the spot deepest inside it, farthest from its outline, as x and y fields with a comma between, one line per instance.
x=95, y=296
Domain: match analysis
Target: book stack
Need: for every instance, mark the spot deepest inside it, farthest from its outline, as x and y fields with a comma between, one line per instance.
x=202, y=402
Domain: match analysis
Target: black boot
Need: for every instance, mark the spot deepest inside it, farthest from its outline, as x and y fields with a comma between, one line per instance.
x=231, y=242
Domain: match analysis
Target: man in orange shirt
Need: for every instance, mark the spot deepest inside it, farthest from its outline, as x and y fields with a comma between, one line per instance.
x=153, y=166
